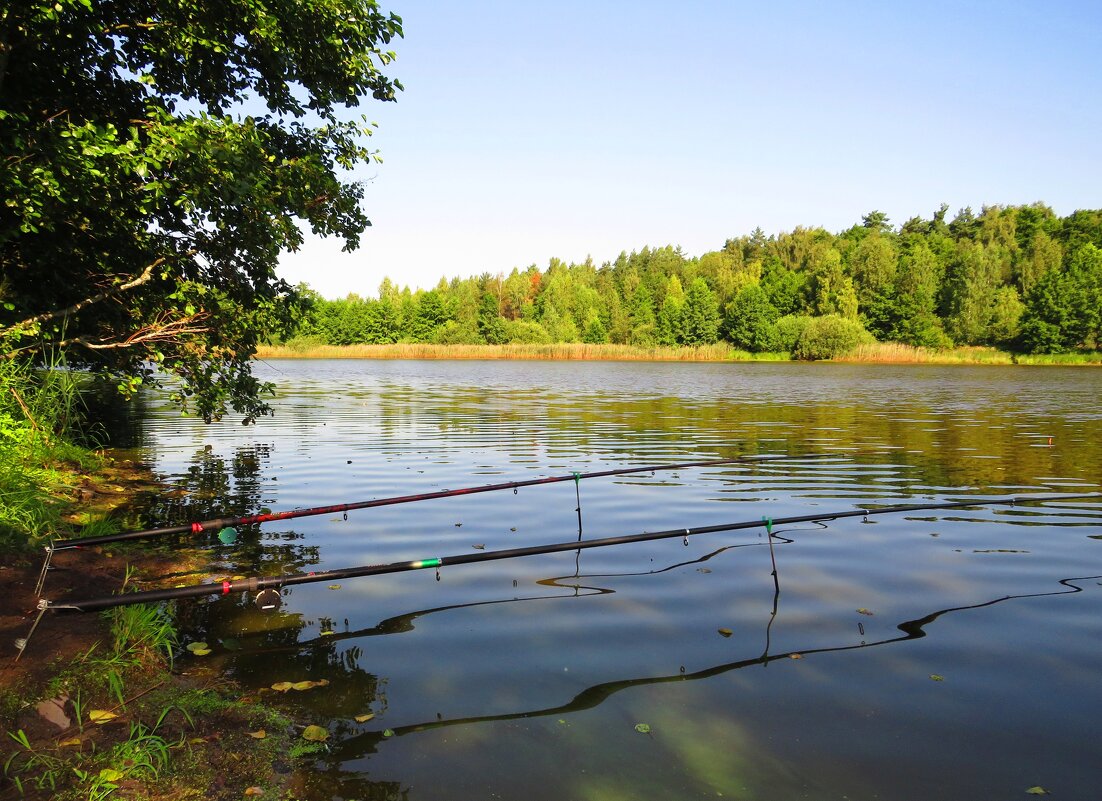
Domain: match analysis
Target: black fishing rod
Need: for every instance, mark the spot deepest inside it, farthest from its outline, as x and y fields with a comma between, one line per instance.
x=267, y=587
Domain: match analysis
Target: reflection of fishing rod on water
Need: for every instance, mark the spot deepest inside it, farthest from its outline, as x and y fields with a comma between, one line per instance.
x=404, y=623
x=364, y=743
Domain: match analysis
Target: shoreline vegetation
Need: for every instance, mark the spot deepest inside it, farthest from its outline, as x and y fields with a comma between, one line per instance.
x=98, y=706
x=875, y=353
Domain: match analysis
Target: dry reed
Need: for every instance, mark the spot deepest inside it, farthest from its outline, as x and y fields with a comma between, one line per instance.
x=569, y=351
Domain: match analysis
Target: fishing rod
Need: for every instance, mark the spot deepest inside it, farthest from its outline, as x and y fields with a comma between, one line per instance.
x=264, y=517
x=267, y=587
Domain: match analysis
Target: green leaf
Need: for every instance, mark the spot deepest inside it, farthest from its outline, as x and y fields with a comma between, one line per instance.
x=642, y=728
x=315, y=734
x=1037, y=790
x=388, y=732
x=936, y=677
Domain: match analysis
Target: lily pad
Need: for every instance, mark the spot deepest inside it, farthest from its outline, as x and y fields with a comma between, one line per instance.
x=196, y=646
x=282, y=686
x=642, y=728
x=1038, y=790
x=303, y=685
x=315, y=734
x=936, y=677
x=200, y=651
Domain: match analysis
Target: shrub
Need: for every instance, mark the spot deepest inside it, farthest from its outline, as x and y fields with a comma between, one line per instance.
x=786, y=332
x=527, y=333
x=456, y=333
x=829, y=336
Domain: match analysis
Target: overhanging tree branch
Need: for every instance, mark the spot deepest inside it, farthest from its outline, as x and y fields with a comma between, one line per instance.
x=144, y=278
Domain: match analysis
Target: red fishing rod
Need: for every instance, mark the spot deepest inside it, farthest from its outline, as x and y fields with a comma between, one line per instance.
x=265, y=517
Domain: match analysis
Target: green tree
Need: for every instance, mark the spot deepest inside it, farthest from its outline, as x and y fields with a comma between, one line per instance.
x=669, y=315
x=1064, y=310
x=143, y=208
x=491, y=325
x=748, y=320
x=700, y=316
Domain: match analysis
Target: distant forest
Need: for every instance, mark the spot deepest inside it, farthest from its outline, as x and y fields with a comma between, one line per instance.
x=1016, y=277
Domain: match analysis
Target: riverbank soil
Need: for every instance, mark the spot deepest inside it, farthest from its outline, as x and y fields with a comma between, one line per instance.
x=203, y=726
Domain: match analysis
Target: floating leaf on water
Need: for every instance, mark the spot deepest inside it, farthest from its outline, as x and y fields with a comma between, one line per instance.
x=303, y=685
x=259, y=734
x=201, y=651
x=936, y=677
x=101, y=716
x=365, y=718
x=110, y=774
x=864, y=611
x=479, y=547
x=315, y=734
x=725, y=632
x=1037, y=790
x=795, y=656
x=642, y=728
x=197, y=646
x=282, y=686
x=70, y=742
x=388, y=732
x=334, y=586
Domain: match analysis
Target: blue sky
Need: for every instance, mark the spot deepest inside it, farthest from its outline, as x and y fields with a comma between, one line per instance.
x=571, y=129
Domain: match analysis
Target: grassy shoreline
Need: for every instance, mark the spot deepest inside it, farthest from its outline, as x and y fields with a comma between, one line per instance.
x=879, y=353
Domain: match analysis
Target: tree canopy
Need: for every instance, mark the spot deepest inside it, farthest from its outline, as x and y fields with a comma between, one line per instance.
x=1018, y=277
x=156, y=157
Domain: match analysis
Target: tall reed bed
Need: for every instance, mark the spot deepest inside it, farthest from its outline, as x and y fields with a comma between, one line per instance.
x=563, y=351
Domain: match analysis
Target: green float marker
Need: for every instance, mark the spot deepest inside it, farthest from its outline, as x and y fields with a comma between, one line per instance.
x=426, y=563
x=227, y=536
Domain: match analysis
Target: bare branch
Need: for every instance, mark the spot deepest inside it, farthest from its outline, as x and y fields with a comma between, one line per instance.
x=145, y=277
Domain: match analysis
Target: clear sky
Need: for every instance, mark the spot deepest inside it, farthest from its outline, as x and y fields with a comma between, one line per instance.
x=536, y=129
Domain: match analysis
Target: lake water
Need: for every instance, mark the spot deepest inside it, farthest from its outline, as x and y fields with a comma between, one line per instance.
x=929, y=655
